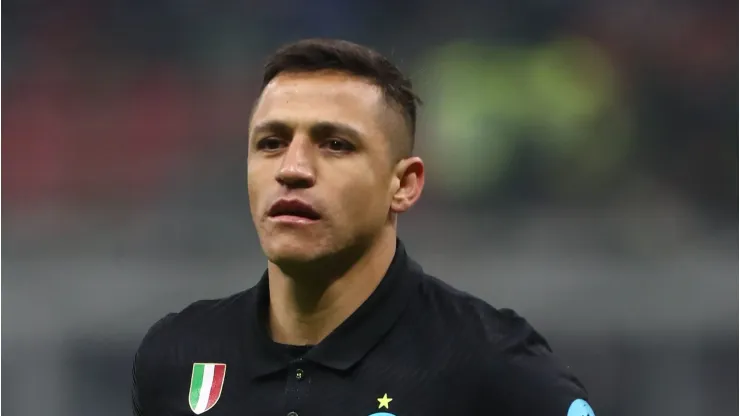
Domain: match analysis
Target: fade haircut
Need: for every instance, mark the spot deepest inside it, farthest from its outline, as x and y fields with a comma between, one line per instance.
x=313, y=55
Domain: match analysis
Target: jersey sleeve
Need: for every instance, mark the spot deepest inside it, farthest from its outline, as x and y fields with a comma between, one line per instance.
x=526, y=378
x=538, y=386
x=144, y=372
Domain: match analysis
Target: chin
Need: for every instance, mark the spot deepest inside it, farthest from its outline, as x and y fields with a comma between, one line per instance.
x=289, y=250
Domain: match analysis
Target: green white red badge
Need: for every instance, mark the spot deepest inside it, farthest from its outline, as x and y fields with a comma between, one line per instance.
x=205, y=386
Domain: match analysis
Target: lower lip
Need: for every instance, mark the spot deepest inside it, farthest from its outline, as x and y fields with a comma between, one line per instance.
x=292, y=219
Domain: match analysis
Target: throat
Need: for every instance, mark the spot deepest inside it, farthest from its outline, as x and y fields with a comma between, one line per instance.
x=305, y=316
x=305, y=310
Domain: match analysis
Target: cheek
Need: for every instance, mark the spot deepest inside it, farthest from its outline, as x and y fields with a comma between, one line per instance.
x=365, y=201
x=252, y=190
x=255, y=186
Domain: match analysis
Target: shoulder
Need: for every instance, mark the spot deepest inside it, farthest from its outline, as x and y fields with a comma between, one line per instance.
x=199, y=320
x=515, y=364
x=473, y=319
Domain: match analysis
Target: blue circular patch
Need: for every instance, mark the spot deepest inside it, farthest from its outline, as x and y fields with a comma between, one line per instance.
x=580, y=407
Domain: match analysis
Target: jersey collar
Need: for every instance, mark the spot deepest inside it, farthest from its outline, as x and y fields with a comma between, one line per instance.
x=353, y=339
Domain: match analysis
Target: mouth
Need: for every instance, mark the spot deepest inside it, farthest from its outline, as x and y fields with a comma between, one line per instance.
x=293, y=210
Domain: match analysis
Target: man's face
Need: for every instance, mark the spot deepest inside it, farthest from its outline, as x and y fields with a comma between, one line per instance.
x=320, y=176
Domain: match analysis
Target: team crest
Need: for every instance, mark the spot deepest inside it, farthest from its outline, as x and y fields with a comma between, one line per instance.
x=205, y=386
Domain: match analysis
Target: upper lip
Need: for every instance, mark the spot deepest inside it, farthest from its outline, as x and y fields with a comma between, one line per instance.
x=292, y=206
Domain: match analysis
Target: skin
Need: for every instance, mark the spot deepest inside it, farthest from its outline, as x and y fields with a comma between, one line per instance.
x=328, y=139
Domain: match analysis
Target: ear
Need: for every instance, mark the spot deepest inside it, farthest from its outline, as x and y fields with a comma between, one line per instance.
x=408, y=183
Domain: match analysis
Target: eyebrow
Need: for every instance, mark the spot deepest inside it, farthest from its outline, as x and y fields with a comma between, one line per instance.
x=319, y=129
x=327, y=129
x=274, y=126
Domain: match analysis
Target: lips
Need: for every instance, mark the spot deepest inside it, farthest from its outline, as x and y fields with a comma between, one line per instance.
x=293, y=208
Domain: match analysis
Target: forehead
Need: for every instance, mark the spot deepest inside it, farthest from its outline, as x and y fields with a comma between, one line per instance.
x=306, y=98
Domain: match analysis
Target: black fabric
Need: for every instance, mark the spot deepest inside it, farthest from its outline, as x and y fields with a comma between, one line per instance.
x=416, y=346
x=294, y=352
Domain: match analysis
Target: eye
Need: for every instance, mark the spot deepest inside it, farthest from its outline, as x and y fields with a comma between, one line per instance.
x=271, y=143
x=338, y=145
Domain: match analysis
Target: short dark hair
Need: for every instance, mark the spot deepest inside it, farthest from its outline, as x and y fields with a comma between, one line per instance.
x=310, y=55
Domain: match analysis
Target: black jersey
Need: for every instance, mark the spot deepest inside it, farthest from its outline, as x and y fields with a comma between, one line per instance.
x=416, y=346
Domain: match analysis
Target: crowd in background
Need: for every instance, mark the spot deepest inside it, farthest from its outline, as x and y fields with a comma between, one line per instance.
x=527, y=102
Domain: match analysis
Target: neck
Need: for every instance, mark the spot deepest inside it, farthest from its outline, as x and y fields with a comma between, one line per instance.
x=304, y=309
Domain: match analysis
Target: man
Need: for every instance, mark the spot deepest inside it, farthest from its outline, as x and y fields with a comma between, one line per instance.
x=343, y=322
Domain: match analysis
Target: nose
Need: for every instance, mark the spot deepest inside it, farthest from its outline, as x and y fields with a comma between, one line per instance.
x=296, y=169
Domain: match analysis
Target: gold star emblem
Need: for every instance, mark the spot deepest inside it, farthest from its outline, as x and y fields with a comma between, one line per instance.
x=384, y=401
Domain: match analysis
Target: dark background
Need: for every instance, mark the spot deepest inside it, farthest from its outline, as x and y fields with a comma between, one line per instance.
x=582, y=160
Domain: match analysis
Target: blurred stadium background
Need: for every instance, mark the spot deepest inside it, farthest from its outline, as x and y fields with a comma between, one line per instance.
x=582, y=159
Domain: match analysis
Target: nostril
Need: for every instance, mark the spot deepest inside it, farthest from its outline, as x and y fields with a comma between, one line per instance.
x=294, y=182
